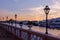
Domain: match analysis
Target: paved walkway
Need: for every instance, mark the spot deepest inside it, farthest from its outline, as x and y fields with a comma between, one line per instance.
x=4, y=35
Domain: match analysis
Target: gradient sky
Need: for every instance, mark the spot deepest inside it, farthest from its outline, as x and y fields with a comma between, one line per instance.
x=28, y=9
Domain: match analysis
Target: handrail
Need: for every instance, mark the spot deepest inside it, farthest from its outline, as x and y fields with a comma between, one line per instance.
x=29, y=33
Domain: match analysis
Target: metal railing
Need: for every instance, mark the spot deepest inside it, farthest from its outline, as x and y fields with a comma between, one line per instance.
x=25, y=34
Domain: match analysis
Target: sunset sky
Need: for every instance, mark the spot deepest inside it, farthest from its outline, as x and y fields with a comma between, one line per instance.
x=28, y=9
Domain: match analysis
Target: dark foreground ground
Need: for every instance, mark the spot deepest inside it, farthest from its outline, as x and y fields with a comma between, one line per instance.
x=4, y=35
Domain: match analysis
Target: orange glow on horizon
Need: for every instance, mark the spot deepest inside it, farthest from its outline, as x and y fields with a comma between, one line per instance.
x=31, y=18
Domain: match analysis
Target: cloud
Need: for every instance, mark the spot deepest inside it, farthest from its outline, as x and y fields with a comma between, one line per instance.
x=56, y=4
x=36, y=12
x=55, y=8
x=5, y=13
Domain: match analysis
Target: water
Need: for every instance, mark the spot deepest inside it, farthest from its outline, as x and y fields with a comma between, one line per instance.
x=53, y=32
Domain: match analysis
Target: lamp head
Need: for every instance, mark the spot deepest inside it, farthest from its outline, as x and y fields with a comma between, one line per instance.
x=15, y=15
x=46, y=9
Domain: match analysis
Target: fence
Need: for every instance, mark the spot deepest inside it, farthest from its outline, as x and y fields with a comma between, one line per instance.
x=25, y=34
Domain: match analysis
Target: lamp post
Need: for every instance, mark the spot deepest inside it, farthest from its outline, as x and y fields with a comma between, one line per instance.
x=3, y=18
x=21, y=24
x=46, y=10
x=29, y=25
x=7, y=18
x=15, y=19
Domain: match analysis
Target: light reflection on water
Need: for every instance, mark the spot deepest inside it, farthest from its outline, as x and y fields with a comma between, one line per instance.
x=54, y=32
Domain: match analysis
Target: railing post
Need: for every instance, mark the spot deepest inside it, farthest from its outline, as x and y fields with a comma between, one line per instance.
x=29, y=36
x=15, y=31
x=8, y=28
x=20, y=34
x=11, y=29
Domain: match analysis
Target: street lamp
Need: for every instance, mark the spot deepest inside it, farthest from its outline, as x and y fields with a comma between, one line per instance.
x=46, y=10
x=21, y=24
x=15, y=19
x=29, y=25
x=3, y=18
x=7, y=18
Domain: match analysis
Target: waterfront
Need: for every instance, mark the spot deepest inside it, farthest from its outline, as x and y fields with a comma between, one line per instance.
x=28, y=34
x=53, y=32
